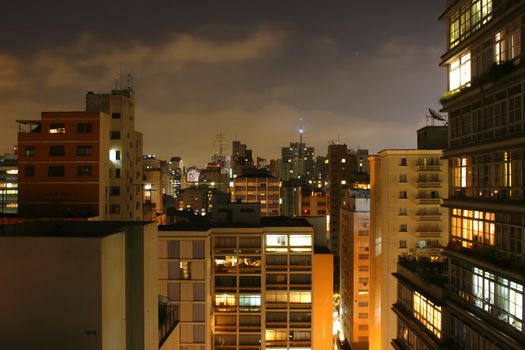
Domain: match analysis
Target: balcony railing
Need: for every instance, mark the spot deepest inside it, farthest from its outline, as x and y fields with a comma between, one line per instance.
x=168, y=319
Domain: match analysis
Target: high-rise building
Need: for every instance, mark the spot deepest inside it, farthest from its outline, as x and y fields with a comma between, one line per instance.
x=265, y=288
x=125, y=154
x=259, y=187
x=354, y=313
x=241, y=159
x=157, y=179
x=406, y=190
x=339, y=172
x=176, y=170
x=297, y=161
x=483, y=303
x=8, y=184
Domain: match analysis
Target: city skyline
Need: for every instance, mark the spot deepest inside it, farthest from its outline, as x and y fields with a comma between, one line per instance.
x=229, y=67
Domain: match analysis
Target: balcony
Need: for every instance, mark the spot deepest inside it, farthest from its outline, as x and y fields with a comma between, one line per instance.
x=428, y=167
x=428, y=200
x=168, y=319
x=428, y=183
x=424, y=269
x=428, y=215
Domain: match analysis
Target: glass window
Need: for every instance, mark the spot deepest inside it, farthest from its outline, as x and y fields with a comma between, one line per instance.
x=225, y=300
x=499, y=48
x=84, y=150
x=84, y=128
x=459, y=72
x=115, y=115
x=29, y=170
x=85, y=170
x=30, y=151
x=56, y=150
x=115, y=135
x=57, y=128
x=300, y=297
x=276, y=240
x=250, y=300
x=55, y=171
x=300, y=240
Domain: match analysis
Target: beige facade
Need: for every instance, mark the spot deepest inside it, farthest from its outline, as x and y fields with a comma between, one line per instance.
x=407, y=188
x=264, y=190
x=124, y=193
x=355, y=269
x=88, y=286
x=249, y=287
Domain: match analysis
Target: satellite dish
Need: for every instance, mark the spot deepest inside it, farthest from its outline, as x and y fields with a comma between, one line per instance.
x=436, y=116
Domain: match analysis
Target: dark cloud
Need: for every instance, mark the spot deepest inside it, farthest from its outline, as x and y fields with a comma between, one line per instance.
x=363, y=72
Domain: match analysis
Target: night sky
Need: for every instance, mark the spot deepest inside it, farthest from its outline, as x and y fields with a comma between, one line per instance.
x=363, y=72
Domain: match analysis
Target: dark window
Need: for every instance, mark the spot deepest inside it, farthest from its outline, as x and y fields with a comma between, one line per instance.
x=84, y=128
x=403, y=194
x=57, y=128
x=30, y=170
x=55, y=170
x=114, y=209
x=114, y=191
x=115, y=115
x=30, y=151
x=84, y=150
x=402, y=244
x=117, y=173
x=403, y=162
x=56, y=151
x=84, y=170
x=115, y=135
x=117, y=155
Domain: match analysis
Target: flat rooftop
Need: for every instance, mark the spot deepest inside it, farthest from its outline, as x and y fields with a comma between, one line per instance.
x=52, y=228
x=203, y=224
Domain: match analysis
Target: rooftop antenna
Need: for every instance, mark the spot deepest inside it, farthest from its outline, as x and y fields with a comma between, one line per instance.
x=219, y=142
x=130, y=82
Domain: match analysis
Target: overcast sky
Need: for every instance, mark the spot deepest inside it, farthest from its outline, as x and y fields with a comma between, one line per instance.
x=363, y=72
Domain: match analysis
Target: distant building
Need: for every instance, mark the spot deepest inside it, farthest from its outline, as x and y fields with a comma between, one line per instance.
x=339, y=173
x=157, y=181
x=64, y=164
x=266, y=286
x=297, y=161
x=125, y=160
x=214, y=176
x=258, y=187
x=355, y=269
x=9, y=184
x=432, y=137
x=241, y=159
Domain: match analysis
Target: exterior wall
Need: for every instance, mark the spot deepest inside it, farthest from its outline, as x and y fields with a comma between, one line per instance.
x=188, y=287
x=71, y=194
x=355, y=271
x=262, y=190
x=406, y=218
x=50, y=279
x=322, y=302
x=113, y=280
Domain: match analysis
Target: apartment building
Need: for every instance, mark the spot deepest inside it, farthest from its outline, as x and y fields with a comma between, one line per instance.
x=406, y=218
x=354, y=311
x=247, y=283
x=259, y=188
x=9, y=184
x=483, y=308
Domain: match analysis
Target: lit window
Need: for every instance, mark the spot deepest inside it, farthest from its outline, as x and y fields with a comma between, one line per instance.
x=250, y=300
x=343, y=160
x=57, y=128
x=499, y=48
x=225, y=300
x=428, y=313
x=300, y=297
x=276, y=335
x=275, y=242
x=459, y=72
x=276, y=296
x=515, y=43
